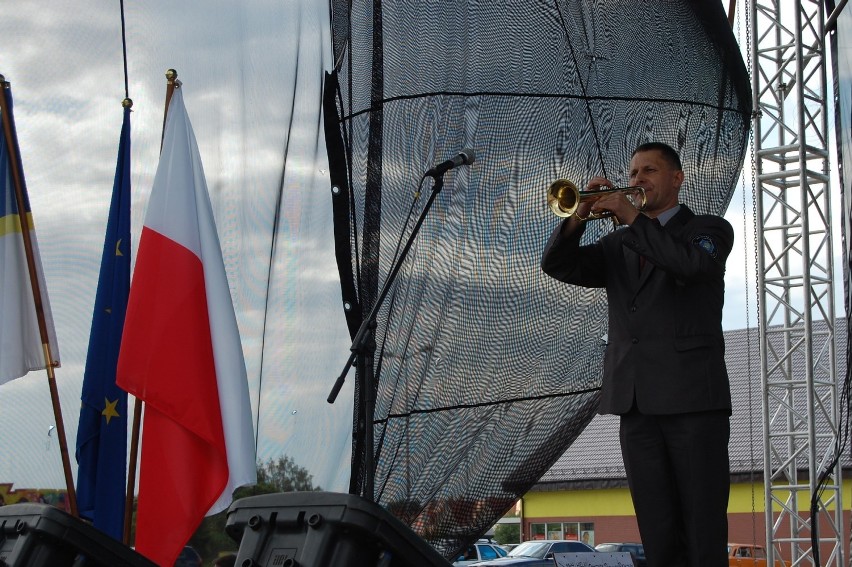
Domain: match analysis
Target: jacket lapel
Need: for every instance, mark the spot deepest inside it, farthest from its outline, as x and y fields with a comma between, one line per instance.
x=675, y=227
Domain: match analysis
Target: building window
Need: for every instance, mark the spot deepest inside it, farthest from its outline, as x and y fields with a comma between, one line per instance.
x=576, y=531
x=554, y=530
x=587, y=533
x=571, y=531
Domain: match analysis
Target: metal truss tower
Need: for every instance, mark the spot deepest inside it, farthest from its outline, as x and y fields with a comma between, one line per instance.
x=800, y=385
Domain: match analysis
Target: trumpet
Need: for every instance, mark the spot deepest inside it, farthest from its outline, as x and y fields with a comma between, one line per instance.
x=564, y=198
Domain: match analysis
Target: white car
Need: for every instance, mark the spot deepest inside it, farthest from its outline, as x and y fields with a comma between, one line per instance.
x=480, y=551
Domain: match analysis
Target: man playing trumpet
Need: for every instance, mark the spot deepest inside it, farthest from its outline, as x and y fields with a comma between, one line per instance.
x=664, y=369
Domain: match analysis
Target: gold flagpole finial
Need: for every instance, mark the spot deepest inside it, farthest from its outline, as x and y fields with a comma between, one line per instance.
x=127, y=103
x=171, y=74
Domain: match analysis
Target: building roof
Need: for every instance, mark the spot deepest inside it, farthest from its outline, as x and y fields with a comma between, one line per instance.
x=595, y=456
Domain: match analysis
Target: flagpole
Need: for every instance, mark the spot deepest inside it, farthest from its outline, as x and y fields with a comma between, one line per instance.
x=17, y=181
x=131, y=474
x=171, y=84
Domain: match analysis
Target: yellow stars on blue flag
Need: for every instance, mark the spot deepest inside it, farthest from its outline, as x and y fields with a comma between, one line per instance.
x=109, y=409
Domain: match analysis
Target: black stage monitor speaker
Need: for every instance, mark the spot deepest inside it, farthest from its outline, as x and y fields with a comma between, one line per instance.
x=323, y=529
x=40, y=535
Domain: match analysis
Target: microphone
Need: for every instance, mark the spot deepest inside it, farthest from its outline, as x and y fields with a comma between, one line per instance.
x=465, y=157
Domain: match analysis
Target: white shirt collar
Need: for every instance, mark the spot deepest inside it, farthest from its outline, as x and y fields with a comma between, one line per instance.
x=666, y=215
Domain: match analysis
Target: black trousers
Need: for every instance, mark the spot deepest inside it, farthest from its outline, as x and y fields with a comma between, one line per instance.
x=679, y=477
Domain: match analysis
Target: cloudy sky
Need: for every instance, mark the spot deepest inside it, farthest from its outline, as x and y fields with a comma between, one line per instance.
x=252, y=83
x=251, y=75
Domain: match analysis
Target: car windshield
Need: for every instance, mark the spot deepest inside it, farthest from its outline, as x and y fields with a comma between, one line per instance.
x=535, y=549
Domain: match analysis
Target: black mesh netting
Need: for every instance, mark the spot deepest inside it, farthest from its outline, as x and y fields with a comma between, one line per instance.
x=487, y=370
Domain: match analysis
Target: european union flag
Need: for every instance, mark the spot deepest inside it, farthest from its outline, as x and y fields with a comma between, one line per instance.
x=102, y=432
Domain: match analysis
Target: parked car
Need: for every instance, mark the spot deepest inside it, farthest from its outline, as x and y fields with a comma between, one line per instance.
x=480, y=551
x=749, y=555
x=188, y=558
x=636, y=550
x=538, y=553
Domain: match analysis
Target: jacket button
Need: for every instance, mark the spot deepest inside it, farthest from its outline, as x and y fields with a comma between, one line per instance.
x=635, y=340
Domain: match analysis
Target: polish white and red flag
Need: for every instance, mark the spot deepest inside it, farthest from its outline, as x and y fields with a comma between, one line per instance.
x=181, y=354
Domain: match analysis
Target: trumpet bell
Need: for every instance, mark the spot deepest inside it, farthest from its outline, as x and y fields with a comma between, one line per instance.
x=563, y=198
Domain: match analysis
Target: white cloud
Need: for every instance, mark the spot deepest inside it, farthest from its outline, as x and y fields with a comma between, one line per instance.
x=237, y=63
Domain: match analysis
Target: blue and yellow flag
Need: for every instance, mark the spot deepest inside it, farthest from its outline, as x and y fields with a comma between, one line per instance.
x=21, y=344
x=102, y=432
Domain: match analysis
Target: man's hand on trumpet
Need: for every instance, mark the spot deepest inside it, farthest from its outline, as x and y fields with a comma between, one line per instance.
x=616, y=203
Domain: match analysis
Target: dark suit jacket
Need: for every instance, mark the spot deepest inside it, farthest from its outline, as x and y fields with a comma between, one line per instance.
x=665, y=346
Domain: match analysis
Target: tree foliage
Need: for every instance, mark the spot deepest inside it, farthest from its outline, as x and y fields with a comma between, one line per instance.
x=507, y=533
x=274, y=475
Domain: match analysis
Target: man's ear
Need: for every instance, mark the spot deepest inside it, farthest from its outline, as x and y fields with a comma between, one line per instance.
x=678, y=178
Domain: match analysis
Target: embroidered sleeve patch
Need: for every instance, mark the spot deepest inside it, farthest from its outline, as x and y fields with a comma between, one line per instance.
x=705, y=242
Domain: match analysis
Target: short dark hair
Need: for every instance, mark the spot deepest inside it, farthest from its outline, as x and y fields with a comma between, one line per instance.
x=668, y=152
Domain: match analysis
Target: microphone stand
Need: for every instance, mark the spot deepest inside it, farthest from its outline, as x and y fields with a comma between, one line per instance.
x=363, y=350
